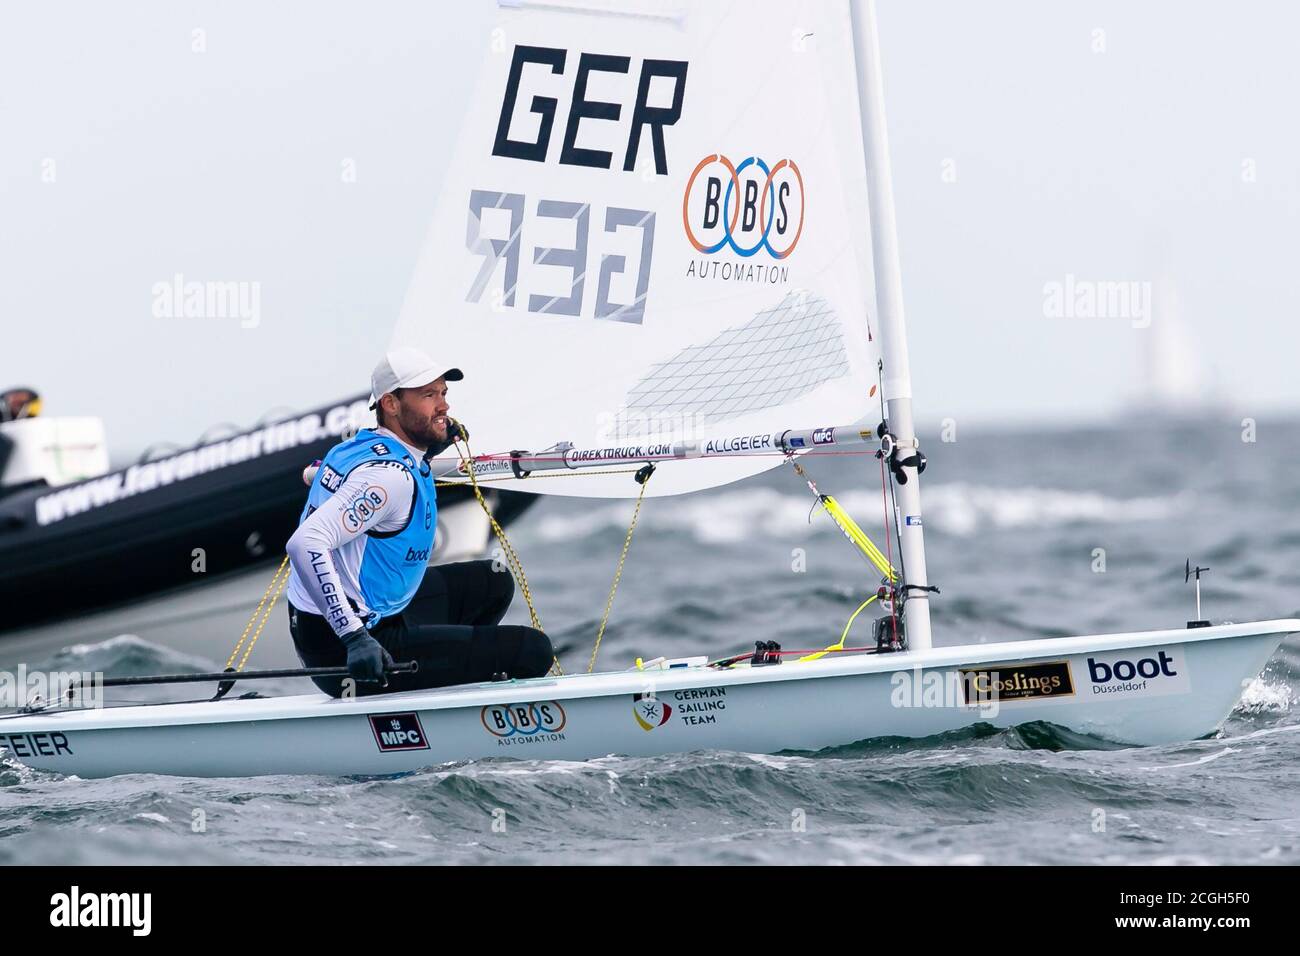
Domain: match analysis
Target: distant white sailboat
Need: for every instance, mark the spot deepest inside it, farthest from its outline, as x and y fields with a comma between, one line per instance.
x=655, y=246
x=1176, y=383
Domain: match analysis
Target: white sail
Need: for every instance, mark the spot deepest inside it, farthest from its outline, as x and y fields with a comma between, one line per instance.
x=654, y=229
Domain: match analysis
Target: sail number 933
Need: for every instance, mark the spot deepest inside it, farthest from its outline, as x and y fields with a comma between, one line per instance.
x=500, y=244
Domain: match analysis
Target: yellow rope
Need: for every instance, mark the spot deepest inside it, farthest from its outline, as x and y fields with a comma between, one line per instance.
x=618, y=573
x=849, y=527
x=281, y=570
x=281, y=577
x=512, y=558
x=858, y=537
x=284, y=579
x=839, y=645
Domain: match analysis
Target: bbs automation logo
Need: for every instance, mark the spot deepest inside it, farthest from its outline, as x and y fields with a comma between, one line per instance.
x=528, y=723
x=398, y=732
x=364, y=507
x=746, y=207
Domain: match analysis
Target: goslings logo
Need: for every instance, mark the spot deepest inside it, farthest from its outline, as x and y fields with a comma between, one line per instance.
x=1009, y=682
x=650, y=712
x=743, y=208
x=536, y=722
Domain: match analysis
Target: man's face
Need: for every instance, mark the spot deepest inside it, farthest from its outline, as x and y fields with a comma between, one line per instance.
x=16, y=402
x=422, y=412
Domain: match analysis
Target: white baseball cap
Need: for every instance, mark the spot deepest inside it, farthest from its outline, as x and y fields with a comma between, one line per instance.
x=406, y=368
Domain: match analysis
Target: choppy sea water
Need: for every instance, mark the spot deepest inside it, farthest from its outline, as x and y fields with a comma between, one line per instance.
x=1017, y=524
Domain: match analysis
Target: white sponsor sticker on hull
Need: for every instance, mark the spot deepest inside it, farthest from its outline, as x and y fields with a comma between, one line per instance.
x=1140, y=672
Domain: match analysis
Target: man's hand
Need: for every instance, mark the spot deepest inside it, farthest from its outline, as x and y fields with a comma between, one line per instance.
x=367, y=658
x=455, y=432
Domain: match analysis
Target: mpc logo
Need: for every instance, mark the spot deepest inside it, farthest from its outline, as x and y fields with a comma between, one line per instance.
x=398, y=732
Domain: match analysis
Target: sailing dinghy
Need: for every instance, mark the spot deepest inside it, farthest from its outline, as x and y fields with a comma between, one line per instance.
x=667, y=239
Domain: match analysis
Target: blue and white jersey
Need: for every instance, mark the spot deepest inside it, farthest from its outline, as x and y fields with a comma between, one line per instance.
x=365, y=534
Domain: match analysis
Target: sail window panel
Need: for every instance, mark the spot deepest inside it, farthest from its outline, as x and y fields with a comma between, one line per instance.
x=778, y=355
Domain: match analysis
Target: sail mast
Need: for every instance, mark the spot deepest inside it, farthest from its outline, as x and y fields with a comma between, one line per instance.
x=889, y=305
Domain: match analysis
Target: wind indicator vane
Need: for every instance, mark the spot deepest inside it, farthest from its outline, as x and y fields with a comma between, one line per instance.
x=1188, y=572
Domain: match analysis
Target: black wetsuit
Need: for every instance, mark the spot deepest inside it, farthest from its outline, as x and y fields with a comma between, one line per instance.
x=451, y=628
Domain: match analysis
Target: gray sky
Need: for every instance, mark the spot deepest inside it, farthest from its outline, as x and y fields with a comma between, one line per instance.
x=1022, y=155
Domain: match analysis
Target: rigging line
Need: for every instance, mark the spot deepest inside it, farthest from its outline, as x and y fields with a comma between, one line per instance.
x=839, y=645
x=893, y=490
x=893, y=501
x=284, y=579
x=741, y=658
x=618, y=571
x=539, y=474
x=898, y=531
x=889, y=553
x=848, y=527
x=512, y=558
x=257, y=611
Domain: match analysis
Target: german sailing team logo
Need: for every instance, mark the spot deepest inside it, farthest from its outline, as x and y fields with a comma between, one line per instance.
x=745, y=207
x=649, y=711
x=525, y=723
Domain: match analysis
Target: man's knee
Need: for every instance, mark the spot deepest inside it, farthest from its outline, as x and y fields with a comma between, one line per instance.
x=501, y=582
x=535, y=654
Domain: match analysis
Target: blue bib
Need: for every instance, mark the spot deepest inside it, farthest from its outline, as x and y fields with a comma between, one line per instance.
x=393, y=563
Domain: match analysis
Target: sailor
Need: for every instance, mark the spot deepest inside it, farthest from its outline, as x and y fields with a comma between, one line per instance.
x=15, y=403
x=361, y=592
x=19, y=403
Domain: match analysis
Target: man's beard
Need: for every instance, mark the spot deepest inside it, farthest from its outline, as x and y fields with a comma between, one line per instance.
x=421, y=430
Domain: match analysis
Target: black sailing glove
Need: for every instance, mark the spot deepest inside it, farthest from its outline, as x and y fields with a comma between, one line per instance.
x=367, y=658
x=455, y=432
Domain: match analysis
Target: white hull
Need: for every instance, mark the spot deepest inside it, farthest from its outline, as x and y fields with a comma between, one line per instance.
x=1196, y=677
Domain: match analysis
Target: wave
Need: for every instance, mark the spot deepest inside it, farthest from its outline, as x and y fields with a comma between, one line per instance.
x=125, y=656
